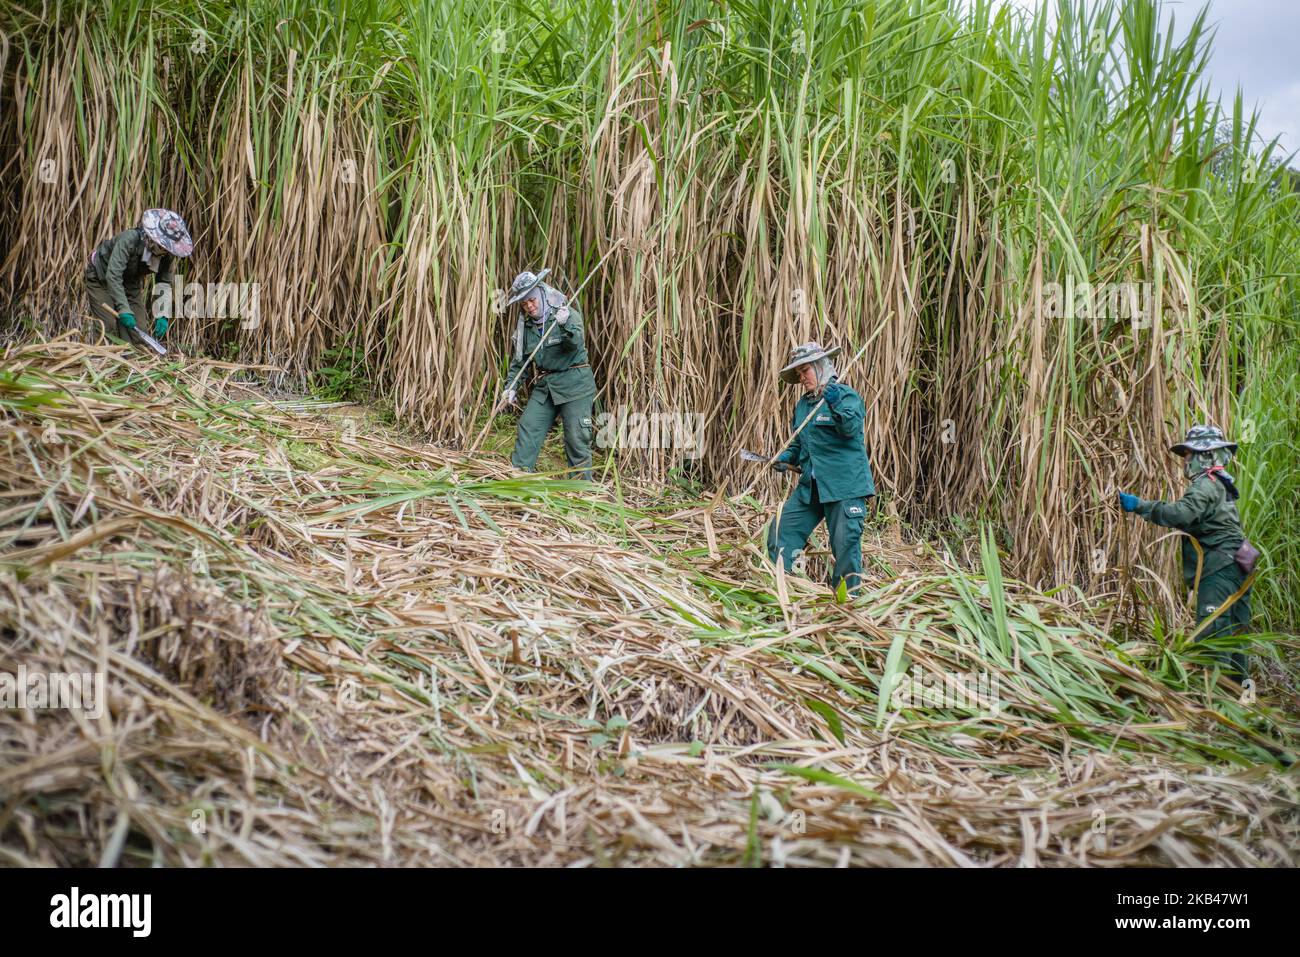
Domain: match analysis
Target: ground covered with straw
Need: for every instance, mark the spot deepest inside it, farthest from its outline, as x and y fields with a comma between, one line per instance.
x=329, y=643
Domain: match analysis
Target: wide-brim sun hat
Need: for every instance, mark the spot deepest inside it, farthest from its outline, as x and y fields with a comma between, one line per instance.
x=1202, y=438
x=166, y=229
x=524, y=285
x=802, y=355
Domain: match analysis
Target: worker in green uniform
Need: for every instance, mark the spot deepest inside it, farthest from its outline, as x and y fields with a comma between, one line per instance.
x=549, y=345
x=119, y=266
x=1207, y=513
x=835, y=477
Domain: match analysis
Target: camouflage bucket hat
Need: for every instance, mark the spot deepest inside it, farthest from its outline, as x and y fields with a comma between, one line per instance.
x=1203, y=438
x=804, y=354
x=168, y=230
x=524, y=284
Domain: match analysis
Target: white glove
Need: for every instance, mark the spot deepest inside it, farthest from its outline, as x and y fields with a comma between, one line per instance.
x=562, y=315
x=508, y=396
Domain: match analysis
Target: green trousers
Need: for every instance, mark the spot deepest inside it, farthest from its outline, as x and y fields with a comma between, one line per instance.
x=1214, y=590
x=101, y=300
x=789, y=533
x=538, y=417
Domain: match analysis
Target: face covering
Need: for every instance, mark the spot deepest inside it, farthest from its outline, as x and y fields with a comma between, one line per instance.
x=825, y=372
x=1198, y=462
x=537, y=297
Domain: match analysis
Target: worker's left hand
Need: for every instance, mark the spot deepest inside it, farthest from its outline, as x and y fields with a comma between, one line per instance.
x=562, y=315
x=160, y=327
x=832, y=393
x=1127, y=502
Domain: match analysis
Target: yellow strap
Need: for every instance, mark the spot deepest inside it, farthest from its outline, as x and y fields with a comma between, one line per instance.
x=1200, y=563
x=1196, y=588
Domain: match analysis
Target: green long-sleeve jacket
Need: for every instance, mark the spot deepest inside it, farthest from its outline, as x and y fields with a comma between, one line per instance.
x=831, y=449
x=563, y=358
x=1205, y=512
x=119, y=264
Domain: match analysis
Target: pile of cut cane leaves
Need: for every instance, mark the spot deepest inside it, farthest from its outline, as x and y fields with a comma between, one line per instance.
x=325, y=642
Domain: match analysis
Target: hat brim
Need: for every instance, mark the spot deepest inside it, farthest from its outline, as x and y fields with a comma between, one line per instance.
x=529, y=291
x=180, y=247
x=1182, y=448
x=790, y=373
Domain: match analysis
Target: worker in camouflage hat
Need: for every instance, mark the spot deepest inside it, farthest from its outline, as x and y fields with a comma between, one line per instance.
x=1207, y=515
x=549, y=331
x=829, y=451
x=118, y=268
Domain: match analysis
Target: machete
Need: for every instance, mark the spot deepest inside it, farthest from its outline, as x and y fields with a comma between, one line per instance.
x=748, y=456
x=140, y=337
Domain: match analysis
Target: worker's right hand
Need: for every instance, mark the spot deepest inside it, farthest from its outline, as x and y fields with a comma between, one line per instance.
x=780, y=466
x=1127, y=502
x=127, y=319
x=508, y=397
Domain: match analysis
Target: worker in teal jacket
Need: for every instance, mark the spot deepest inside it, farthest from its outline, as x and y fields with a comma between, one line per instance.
x=835, y=480
x=119, y=267
x=563, y=385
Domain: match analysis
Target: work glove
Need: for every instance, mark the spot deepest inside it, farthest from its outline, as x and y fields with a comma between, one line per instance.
x=780, y=466
x=562, y=315
x=508, y=396
x=1127, y=502
x=160, y=327
x=833, y=393
x=127, y=319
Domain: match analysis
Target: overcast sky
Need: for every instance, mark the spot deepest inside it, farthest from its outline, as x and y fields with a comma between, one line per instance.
x=1256, y=46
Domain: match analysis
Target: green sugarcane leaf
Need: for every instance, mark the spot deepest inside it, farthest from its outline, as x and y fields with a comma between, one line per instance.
x=887, y=679
x=830, y=714
x=820, y=776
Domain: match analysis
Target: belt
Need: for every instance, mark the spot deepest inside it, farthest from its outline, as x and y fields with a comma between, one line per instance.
x=543, y=375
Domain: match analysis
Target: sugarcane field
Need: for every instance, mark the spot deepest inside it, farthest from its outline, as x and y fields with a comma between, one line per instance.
x=648, y=434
